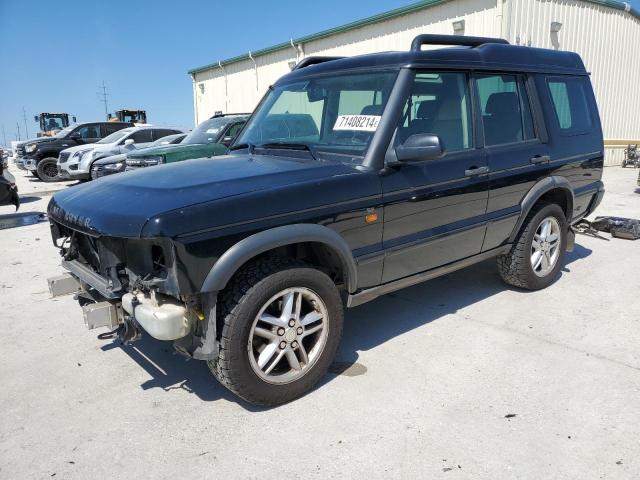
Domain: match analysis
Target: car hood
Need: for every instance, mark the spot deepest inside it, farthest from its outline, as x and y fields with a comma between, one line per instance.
x=78, y=148
x=121, y=205
x=38, y=140
x=165, y=149
x=120, y=157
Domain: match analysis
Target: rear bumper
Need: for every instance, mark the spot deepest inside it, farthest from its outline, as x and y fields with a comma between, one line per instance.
x=587, y=202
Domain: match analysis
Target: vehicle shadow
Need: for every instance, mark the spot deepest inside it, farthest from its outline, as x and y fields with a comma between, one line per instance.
x=29, y=199
x=365, y=328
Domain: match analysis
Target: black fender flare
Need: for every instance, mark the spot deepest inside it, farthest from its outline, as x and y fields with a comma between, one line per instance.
x=543, y=186
x=246, y=249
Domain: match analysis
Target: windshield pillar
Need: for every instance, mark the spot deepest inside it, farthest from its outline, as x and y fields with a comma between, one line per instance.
x=374, y=158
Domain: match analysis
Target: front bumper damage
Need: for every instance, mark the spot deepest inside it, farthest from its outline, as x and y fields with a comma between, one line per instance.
x=161, y=316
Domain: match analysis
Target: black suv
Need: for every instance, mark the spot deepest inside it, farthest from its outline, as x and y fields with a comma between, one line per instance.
x=353, y=178
x=40, y=155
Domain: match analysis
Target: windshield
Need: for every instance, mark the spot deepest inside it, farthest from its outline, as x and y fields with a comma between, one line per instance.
x=169, y=139
x=115, y=136
x=208, y=131
x=65, y=131
x=337, y=114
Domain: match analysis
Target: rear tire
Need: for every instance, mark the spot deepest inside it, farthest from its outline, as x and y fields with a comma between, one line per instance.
x=258, y=358
x=47, y=170
x=533, y=262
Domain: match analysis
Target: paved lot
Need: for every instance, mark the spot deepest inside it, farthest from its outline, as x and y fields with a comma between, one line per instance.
x=460, y=377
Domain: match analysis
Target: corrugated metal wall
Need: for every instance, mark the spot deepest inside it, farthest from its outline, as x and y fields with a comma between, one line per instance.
x=608, y=41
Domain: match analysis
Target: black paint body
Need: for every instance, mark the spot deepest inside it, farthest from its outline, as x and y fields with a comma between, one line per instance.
x=429, y=214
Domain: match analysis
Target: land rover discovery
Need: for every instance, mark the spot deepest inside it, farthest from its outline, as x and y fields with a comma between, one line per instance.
x=353, y=178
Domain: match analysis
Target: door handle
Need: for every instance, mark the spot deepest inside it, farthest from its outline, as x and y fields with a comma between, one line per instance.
x=540, y=159
x=474, y=171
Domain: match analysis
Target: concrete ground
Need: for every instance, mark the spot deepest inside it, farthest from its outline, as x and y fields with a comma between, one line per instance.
x=461, y=377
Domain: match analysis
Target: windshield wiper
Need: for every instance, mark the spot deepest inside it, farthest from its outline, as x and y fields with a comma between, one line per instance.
x=289, y=146
x=240, y=146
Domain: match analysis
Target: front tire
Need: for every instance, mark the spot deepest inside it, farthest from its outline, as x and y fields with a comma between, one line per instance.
x=47, y=170
x=281, y=323
x=536, y=257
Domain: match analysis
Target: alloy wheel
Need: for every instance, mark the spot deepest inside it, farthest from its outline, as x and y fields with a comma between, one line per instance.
x=545, y=247
x=288, y=335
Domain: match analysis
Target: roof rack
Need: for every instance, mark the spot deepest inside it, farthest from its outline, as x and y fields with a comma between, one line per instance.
x=305, y=62
x=431, y=39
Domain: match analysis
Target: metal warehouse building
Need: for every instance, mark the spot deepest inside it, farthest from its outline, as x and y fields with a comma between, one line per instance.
x=605, y=33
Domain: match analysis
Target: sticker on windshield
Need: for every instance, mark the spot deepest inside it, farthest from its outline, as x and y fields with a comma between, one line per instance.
x=360, y=123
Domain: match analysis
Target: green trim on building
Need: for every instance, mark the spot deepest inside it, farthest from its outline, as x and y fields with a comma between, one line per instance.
x=414, y=7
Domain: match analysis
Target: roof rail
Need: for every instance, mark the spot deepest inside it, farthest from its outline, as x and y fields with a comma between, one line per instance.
x=305, y=62
x=431, y=39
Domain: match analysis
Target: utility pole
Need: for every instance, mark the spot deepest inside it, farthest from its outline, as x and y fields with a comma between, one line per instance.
x=104, y=96
x=4, y=136
x=24, y=117
x=18, y=126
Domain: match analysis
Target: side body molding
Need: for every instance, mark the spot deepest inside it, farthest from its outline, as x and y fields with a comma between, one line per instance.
x=538, y=190
x=261, y=242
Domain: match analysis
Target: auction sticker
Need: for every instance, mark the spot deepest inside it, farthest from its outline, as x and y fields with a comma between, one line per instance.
x=360, y=123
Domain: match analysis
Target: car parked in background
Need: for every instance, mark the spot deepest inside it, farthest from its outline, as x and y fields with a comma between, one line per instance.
x=210, y=138
x=76, y=162
x=8, y=188
x=40, y=155
x=117, y=163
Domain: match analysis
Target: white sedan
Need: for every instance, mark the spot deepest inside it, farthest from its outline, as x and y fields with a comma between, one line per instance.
x=75, y=162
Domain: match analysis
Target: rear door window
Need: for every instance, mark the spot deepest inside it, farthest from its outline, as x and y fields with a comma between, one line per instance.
x=569, y=98
x=505, y=108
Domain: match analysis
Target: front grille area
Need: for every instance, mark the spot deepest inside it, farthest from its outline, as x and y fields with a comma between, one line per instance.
x=64, y=156
x=20, y=150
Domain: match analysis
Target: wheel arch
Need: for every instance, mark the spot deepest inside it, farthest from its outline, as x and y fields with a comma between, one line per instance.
x=259, y=243
x=554, y=189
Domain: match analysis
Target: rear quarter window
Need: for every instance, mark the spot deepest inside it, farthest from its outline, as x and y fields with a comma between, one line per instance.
x=571, y=104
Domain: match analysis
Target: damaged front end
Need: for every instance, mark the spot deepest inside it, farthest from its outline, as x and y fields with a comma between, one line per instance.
x=130, y=286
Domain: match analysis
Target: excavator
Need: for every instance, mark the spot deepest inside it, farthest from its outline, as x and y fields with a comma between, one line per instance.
x=52, y=123
x=133, y=116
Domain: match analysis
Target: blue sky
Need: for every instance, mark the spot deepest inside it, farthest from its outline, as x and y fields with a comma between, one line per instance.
x=54, y=55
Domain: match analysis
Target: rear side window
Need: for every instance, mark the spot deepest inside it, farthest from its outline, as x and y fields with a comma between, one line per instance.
x=141, y=136
x=505, y=108
x=160, y=133
x=109, y=128
x=570, y=103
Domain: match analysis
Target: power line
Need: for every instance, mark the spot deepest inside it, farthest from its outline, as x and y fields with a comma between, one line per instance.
x=104, y=100
x=24, y=117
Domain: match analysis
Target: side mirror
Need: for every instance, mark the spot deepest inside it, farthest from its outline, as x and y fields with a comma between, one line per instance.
x=75, y=136
x=420, y=147
x=129, y=141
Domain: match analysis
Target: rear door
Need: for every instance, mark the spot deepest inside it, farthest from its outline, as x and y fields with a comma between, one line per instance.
x=434, y=210
x=517, y=156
